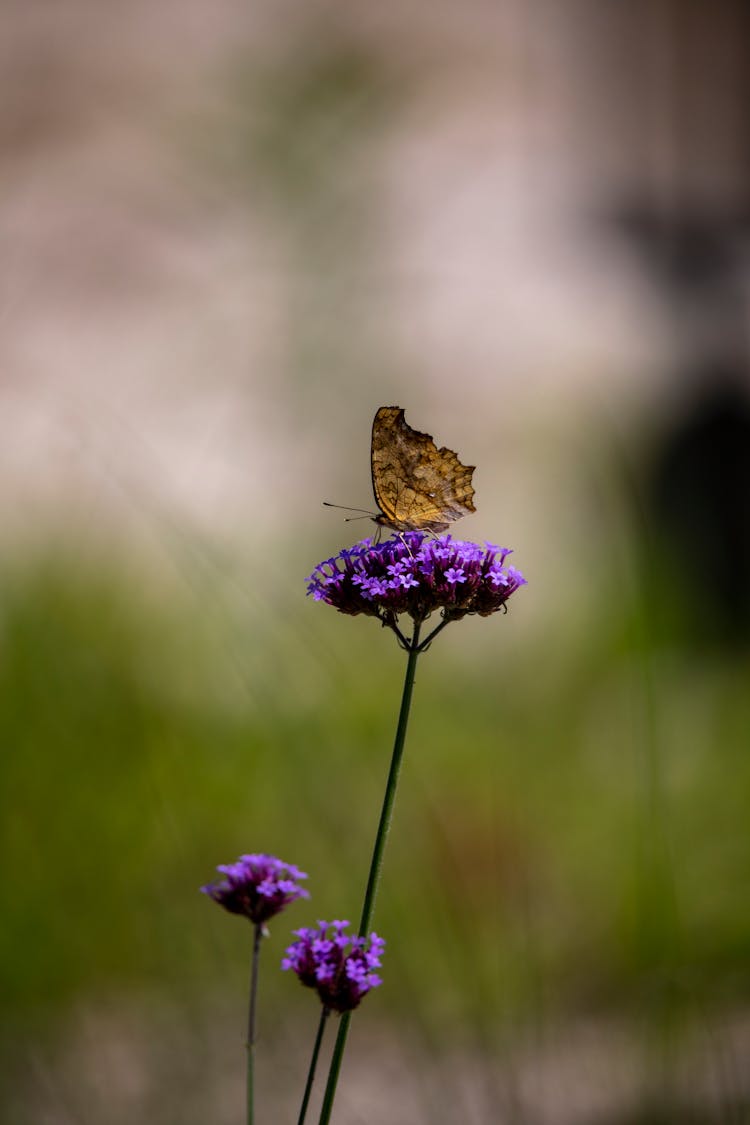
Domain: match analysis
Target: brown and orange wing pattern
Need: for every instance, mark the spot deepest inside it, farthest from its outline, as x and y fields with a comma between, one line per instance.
x=417, y=486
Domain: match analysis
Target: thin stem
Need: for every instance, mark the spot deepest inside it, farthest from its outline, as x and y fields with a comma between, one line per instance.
x=428, y=640
x=391, y=785
x=405, y=644
x=377, y=858
x=325, y=1013
x=257, y=937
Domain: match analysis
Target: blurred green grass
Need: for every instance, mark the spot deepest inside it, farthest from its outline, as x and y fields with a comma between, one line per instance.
x=570, y=832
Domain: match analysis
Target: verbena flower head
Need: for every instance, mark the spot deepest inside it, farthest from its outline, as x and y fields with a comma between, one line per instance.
x=416, y=574
x=257, y=886
x=339, y=966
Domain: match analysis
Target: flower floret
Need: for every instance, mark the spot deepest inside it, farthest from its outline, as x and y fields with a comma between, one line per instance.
x=415, y=573
x=257, y=886
x=336, y=964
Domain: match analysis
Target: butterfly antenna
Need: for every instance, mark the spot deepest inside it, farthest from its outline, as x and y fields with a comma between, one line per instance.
x=345, y=508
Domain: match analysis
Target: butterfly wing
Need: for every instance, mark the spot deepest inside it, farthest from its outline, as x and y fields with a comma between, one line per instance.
x=417, y=486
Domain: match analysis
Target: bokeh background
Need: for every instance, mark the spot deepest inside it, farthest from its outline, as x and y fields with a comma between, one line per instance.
x=230, y=231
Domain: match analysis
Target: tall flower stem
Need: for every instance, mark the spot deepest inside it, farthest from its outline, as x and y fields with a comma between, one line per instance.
x=325, y=1013
x=257, y=938
x=377, y=858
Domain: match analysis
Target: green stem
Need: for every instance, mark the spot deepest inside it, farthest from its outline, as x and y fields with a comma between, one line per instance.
x=377, y=859
x=250, y=1045
x=390, y=785
x=325, y=1013
x=428, y=640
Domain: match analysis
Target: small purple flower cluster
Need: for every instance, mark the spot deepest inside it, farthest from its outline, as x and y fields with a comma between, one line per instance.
x=414, y=573
x=338, y=965
x=257, y=886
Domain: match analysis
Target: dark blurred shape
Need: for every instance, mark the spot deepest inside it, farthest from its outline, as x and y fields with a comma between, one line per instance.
x=690, y=252
x=697, y=486
x=686, y=215
x=699, y=494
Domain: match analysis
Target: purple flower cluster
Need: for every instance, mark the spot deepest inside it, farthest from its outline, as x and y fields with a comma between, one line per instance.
x=257, y=886
x=415, y=573
x=339, y=966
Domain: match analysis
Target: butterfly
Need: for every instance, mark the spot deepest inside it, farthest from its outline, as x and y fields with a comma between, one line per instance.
x=417, y=486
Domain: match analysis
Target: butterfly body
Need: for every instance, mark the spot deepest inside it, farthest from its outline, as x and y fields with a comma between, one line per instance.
x=417, y=486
